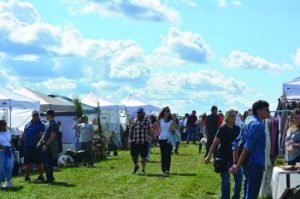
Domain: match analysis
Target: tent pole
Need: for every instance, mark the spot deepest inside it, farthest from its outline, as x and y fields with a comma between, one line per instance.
x=10, y=117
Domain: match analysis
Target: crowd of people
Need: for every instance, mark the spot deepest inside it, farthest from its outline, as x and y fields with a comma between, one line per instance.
x=235, y=142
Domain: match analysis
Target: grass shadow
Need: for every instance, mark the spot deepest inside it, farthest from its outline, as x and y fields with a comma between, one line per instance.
x=155, y=175
x=154, y=161
x=12, y=189
x=62, y=184
x=184, y=174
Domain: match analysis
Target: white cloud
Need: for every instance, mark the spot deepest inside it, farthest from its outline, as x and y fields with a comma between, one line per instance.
x=24, y=11
x=297, y=57
x=179, y=48
x=238, y=59
x=27, y=58
x=60, y=83
x=224, y=3
x=151, y=10
x=100, y=85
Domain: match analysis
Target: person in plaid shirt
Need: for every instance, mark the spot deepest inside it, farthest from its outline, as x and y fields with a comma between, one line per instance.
x=140, y=132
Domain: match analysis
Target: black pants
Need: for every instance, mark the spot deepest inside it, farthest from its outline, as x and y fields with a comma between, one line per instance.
x=48, y=163
x=88, y=148
x=166, y=152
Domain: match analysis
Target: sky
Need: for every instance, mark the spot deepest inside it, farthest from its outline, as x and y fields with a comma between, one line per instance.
x=186, y=54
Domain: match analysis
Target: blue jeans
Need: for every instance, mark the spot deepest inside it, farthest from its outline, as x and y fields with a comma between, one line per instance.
x=177, y=147
x=6, y=167
x=225, y=184
x=48, y=163
x=192, y=132
x=253, y=178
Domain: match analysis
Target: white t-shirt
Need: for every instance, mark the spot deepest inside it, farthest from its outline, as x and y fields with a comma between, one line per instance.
x=5, y=138
x=165, y=129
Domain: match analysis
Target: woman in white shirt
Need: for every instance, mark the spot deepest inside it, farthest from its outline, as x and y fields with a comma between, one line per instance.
x=6, y=156
x=165, y=125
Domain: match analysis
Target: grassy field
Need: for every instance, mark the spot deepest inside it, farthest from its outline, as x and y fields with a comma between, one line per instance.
x=190, y=178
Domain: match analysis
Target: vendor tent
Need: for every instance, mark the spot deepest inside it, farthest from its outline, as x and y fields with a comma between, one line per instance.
x=47, y=102
x=86, y=108
x=291, y=90
x=65, y=112
x=14, y=102
x=109, y=115
x=92, y=99
x=132, y=103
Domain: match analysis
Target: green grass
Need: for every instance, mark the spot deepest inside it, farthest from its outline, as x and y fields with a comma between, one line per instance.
x=190, y=178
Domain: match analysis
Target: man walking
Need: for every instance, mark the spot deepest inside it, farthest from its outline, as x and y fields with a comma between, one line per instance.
x=33, y=132
x=86, y=134
x=192, y=127
x=138, y=137
x=48, y=144
x=212, y=124
x=253, y=139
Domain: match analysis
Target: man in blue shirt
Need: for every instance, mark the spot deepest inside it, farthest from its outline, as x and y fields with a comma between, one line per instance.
x=252, y=158
x=33, y=132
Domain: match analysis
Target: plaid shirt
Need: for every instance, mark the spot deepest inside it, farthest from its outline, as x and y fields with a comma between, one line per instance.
x=140, y=131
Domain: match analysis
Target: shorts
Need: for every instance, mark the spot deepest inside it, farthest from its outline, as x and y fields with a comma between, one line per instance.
x=32, y=156
x=139, y=149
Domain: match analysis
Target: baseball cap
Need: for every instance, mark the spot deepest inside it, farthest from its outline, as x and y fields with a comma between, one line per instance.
x=140, y=110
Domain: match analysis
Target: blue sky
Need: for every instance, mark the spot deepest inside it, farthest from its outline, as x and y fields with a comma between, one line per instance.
x=188, y=54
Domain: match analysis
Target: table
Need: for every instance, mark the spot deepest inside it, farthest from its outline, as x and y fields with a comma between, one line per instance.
x=282, y=179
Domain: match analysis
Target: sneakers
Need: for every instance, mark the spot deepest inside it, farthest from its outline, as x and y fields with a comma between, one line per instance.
x=49, y=180
x=39, y=179
x=9, y=184
x=143, y=173
x=167, y=172
x=136, y=168
x=1, y=185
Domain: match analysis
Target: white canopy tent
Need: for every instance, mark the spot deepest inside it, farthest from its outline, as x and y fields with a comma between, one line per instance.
x=291, y=90
x=109, y=114
x=132, y=103
x=14, y=102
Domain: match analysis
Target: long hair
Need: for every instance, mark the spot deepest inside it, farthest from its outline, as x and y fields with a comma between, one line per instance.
x=161, y=114
x=227, y=115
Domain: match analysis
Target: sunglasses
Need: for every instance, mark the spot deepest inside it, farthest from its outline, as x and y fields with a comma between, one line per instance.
x=232, y=115
x=168, y=111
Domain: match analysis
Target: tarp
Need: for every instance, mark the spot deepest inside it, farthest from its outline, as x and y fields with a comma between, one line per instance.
x=132, y=103
x=12, y=100
x=47, y=102
x=291, y=90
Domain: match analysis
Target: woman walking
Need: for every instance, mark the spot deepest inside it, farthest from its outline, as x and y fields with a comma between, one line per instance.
x=6, y=156
x=166, y=125
x=226, y=134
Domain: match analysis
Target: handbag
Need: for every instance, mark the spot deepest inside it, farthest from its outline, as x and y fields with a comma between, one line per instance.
x=220, y=165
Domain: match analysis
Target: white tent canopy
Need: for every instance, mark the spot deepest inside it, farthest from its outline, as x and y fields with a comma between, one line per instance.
x=12, y=100
x=46, y=101
x=291, y=90
x=132, y=103
x=16, y=104
x=92, y=99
